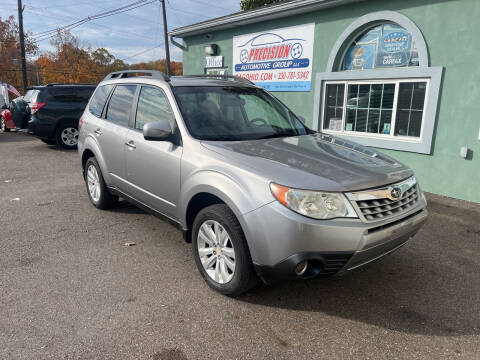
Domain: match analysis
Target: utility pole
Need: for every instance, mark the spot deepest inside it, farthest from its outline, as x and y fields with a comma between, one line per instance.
x=22, y=46
x=165, y=35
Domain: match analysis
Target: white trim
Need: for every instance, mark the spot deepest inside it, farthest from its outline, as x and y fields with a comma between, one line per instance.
x=391, y=135
x=373, y=19
x=421, y=145
x=261, y=14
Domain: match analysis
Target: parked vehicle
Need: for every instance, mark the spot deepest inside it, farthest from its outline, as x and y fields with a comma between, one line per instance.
x=16, y=114
x=6, y=121
x=257, y=193
x=55, y=110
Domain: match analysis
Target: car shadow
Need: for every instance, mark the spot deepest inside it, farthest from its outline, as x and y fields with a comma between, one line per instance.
x=14, y=136
x=430, y=286
x=383, y=295
x=125, y=207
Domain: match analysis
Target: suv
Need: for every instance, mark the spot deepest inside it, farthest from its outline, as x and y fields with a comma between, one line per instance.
x=55, y=110
x=259, y=195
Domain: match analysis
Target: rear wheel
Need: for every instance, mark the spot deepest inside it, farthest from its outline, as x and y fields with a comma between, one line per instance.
x=66, y=136
x=221, y=252
x=96, y=188
x=3, y=125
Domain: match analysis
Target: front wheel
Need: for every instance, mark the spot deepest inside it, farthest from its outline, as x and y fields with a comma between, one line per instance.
x=221, y=252
x=96, y=188
x=3, y=125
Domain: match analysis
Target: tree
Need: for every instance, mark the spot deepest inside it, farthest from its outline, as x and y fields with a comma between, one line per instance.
x=10, y=53
x=252, y=4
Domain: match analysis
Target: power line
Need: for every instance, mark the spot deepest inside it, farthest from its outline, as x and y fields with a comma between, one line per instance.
x=139, y=3
x=95, y=24
x=141, y=52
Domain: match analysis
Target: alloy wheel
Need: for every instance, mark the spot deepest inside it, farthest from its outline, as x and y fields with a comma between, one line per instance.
x=93, y=183
x=69, y=136
x=216, y=251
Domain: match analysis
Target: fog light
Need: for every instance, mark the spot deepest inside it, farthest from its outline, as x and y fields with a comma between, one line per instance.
x=301, y=268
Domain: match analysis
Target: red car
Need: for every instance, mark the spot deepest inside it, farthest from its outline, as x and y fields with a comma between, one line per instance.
x=6, y=122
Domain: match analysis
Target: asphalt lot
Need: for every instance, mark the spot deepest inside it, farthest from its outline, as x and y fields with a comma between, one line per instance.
x=69, y=289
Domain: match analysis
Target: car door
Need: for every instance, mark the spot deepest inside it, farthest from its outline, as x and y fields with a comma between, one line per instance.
x=153, y=167
x=112, y=131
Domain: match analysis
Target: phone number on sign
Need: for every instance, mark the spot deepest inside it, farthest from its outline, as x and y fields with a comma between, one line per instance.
x=293, y=75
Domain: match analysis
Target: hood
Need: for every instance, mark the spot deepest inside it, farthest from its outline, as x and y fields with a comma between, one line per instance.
x=314, y=162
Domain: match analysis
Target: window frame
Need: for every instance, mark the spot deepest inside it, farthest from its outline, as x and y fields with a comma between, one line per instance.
x=422, y=145
x=135, y=106
x=109, y=98
x=391, y=136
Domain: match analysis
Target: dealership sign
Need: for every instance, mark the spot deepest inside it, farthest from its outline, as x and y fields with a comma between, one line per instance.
x=278, y=60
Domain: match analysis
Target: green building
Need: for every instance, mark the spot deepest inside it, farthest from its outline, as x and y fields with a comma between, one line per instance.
x=397, y=75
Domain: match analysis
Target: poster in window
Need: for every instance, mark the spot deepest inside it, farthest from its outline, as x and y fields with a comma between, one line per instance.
x=361, y=56
x=395, y=46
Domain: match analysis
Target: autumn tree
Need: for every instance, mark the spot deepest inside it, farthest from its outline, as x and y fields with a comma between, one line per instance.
x=10, y=53
x=252, y=4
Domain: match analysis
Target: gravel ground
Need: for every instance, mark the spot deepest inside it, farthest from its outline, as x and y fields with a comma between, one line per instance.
x=69, y=289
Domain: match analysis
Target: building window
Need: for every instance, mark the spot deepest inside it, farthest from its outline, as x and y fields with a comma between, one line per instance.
x=384, y=46
x=389, y=109
x=379, y=89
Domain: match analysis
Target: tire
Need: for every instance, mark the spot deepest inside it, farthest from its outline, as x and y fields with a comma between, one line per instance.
x=243, y=276
x=66, y=136
x=49, y=141
x=3, y=126
x=102, y=198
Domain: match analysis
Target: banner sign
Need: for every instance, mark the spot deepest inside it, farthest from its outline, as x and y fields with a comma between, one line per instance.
x=277, y=60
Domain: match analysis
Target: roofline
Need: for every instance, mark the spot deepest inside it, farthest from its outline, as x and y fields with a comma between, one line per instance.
x=274, y=11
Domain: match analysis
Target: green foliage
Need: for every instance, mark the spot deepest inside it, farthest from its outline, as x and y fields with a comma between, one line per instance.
x=252, y=4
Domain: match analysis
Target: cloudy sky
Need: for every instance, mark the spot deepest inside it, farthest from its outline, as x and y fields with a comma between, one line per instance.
x=133, y=36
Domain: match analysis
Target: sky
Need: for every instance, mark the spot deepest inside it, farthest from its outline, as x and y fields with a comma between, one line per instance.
x=133, y=36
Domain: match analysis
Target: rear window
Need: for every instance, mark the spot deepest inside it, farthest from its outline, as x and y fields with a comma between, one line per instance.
x=29, y=95
x=99, y=99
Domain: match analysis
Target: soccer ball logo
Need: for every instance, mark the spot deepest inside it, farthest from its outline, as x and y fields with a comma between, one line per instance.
x=296, y=51
x=244, y=56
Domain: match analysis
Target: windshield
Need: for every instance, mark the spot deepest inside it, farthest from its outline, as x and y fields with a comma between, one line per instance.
x=235, y=113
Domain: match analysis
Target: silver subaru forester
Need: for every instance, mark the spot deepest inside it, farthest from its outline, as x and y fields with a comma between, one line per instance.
x=259, y=194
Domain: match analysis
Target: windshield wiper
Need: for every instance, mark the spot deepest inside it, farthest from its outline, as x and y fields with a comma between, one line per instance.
x=276, y=135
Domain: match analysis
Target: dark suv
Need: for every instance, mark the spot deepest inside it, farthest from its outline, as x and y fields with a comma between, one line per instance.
x=55, y=111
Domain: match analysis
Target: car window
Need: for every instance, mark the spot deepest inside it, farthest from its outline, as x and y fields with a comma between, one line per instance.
x=224, y=113
x=98, y=100
x=152, y=106
x=120, y=104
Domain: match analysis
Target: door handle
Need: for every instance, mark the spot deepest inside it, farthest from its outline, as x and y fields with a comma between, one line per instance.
x=98, y=132
x=131, y=144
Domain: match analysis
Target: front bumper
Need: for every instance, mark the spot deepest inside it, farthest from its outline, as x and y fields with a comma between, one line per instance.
x=330, y=246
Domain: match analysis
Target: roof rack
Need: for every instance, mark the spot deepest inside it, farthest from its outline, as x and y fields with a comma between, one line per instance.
x=67, y=84
x=220, y=76
x=124, y=74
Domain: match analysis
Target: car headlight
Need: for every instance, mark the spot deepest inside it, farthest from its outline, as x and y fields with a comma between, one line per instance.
x=314, y=204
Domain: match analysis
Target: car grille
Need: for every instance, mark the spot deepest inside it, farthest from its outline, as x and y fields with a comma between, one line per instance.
x=382, y=203
x=379, y=209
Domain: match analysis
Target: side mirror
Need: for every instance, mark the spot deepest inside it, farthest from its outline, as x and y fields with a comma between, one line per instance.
x=158, y=131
